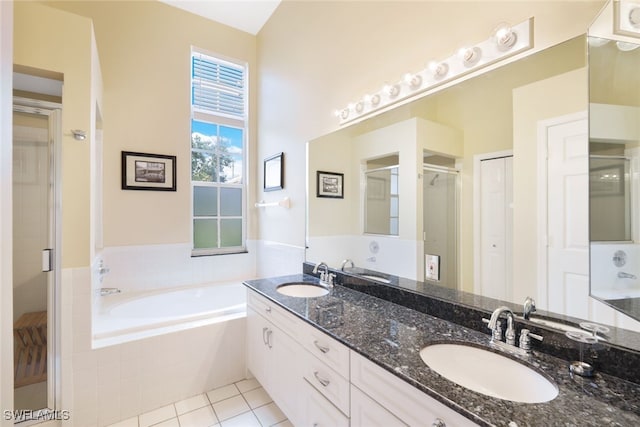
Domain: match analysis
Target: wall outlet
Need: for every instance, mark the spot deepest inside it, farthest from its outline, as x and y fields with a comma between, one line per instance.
x=432, y=267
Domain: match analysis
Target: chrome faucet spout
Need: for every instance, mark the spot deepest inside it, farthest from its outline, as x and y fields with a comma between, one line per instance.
x=496, y=314
x=345, y=262
x=529, y=307
x=319, y=266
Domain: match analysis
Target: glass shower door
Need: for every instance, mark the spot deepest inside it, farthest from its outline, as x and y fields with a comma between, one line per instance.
x=440, y=219
x=32, y=262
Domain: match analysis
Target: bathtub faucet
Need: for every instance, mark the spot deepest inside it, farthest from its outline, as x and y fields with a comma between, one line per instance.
x=623, y=275
x=109, y=291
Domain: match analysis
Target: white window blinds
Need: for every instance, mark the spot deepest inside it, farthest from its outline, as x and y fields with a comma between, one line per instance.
x=218, y=87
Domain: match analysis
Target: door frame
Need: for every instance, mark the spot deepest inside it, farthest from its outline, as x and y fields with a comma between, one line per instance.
x=477, y=250
x=54, y=112
x=542, y=226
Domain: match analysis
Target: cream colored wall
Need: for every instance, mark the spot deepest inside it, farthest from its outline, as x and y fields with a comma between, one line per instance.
x=6, y=232
x=51, y=39
x=145, y=51
x=316, y=57
x=553, y=97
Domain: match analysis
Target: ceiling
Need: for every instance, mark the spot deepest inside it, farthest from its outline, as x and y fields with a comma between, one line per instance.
x=245, y=15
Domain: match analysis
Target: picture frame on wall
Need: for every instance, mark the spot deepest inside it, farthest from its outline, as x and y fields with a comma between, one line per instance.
x=330, y=185
x=146, y=171
x=274, y=172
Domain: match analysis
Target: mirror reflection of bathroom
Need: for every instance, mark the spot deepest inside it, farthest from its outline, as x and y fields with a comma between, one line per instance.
x=381, y=202
x=440, y=217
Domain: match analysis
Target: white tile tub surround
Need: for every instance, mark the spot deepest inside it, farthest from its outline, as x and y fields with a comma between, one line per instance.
x=149, y=267
x=111, y=384
x=278, y=259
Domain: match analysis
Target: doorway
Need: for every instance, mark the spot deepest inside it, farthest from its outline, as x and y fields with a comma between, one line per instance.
x=440, y=222
x=36, y=202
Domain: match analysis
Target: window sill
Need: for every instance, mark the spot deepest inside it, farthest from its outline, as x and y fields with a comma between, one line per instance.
x=197, y=253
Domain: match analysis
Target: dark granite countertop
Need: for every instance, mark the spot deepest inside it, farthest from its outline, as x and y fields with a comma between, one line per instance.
x=392, y=336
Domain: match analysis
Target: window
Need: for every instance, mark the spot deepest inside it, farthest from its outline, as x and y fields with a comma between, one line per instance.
x=218, y=151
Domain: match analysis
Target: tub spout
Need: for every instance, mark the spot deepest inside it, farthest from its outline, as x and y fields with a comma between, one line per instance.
x=109, y=291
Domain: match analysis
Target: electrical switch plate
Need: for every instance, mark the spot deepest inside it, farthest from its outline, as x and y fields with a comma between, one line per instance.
x=432, y=267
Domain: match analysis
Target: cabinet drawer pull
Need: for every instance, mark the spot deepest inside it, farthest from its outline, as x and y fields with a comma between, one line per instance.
x=320, y=347
x=264, y=337
x=269, y=333
x=268, y=309
x=438, y=422
x=321, y=380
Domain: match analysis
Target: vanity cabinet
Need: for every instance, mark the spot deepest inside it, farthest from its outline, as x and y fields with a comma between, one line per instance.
x=317, y=381
x=386, y=392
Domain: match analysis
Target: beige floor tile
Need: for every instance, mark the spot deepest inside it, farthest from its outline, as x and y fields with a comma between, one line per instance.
x=154, y=417
x=231, y=407
x=173, y=422
x=248, y=384
x=269, y=414
x=222, y=393
x=203, y=417
x=245, y=420
x=285, y=423
x=130, y=422
x=191, y=404
x=257, y=397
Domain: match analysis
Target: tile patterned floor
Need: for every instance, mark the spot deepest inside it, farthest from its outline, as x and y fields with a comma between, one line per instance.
x=242, y=404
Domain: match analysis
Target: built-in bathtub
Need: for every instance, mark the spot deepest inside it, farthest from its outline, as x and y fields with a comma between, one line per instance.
x=128, y=316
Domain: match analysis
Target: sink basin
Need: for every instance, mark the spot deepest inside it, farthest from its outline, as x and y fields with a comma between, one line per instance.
x=302, y=290
x=488, y=373
x=378, y=278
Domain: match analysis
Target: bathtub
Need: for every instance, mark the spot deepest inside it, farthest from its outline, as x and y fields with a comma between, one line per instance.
x=129, y=316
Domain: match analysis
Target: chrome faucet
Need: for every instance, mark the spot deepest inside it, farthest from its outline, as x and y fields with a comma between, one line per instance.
x=496, y=328
x=529, y=307
x=345, y=262
x=326, y=278
x=623, y=275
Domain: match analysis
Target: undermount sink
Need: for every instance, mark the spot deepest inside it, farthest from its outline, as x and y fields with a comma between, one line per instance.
x=378, y=278
x=302, y=290
x=489, y=373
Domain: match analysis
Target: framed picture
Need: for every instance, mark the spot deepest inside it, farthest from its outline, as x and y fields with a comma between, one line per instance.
x=274, y=172
x=144, y=171
x=330, y=184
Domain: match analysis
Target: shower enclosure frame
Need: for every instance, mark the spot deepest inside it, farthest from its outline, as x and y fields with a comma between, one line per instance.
x=54, y=113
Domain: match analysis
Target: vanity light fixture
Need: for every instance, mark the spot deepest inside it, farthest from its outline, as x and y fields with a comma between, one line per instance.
x=634, y=17
x=413, y=80
x=504, y=37
x=470, y=55
x=504, y=42
x=438, y=69
x=392, y=90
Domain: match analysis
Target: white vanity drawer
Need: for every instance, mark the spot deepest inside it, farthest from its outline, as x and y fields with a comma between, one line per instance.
x=327, y=381
x=319, y=412
x=277, y=315
x=404, y=401
x=325, y=348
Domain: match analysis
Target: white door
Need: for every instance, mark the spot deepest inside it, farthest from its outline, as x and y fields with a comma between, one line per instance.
x=567, y=218
x=496, y=227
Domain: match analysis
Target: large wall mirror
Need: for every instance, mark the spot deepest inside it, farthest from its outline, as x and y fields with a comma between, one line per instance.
x=481, y=204
x=614, y=156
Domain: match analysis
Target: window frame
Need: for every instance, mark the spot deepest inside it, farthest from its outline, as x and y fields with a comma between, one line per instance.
x=226, y=120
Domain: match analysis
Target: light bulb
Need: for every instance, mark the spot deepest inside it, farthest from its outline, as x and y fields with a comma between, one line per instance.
x=344, y=114
x=413, y=80
x=392, y=90
x=634, y=17
x=359, y=107
x=504, y=37
x=375, y=99
x=469, y=55
x=438, y=69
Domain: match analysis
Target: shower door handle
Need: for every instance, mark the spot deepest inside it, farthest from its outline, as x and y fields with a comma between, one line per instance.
x=47, y=260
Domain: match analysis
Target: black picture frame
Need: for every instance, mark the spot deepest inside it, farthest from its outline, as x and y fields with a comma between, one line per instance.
x=330, y=185
x=274, y=172
x=147, y=171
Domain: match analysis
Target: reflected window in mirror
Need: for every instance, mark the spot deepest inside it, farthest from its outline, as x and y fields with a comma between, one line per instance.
x=382, y=200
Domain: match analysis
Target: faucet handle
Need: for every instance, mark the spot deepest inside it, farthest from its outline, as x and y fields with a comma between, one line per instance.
x=525, y=339
x=496, y=333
